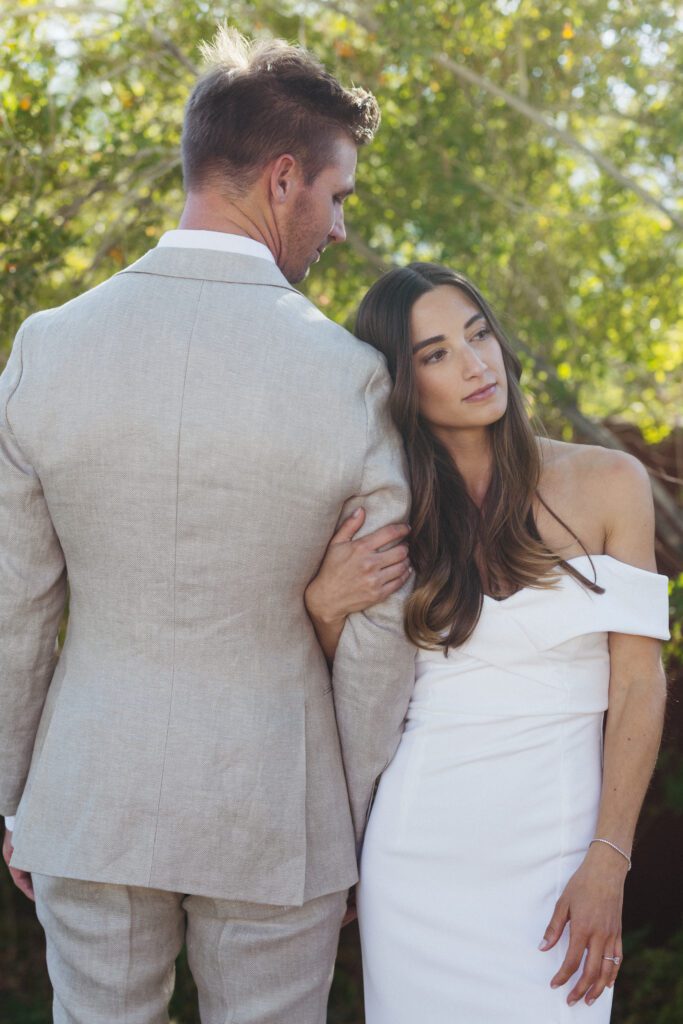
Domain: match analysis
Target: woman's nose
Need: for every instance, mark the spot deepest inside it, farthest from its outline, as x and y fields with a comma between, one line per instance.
x=472, y=364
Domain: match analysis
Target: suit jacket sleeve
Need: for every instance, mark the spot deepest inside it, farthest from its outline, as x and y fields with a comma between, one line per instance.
x=374, y=665
x=32, y=597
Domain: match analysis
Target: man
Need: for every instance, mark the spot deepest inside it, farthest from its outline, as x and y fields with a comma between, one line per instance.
x=179, y=444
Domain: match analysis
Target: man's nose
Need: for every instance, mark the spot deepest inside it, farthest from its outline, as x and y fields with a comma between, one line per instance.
x=338, y=232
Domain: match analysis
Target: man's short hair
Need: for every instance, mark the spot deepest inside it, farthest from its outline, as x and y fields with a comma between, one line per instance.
x=258, y=100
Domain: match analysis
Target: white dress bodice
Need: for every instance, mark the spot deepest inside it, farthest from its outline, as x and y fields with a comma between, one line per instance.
x=543, y=651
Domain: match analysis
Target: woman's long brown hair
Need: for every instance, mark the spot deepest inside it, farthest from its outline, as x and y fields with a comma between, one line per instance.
x=448, y=530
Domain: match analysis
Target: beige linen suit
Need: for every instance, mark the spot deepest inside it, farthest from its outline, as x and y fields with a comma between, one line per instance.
x=179, y=444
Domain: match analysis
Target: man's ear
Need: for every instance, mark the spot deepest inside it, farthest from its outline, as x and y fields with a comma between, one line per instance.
x=286, y=178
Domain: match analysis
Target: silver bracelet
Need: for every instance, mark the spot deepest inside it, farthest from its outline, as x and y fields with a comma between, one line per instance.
x=614, y=847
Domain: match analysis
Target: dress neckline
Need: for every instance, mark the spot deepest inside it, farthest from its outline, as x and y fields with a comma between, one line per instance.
x=574, y=558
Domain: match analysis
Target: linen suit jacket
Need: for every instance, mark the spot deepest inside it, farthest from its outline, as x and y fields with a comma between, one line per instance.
x=177, y=447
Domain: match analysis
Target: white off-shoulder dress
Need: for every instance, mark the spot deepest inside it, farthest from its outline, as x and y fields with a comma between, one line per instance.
x=490, y=804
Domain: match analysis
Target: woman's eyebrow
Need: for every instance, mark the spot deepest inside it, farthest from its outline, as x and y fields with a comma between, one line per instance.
x=428, y=341
x=442, y=337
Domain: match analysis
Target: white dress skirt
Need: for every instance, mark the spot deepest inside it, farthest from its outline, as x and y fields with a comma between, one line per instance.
x=490, y=804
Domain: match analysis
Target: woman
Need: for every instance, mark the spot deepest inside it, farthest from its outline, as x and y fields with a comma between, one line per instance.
x=501, y=823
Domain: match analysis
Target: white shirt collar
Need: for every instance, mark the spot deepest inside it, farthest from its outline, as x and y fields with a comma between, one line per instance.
x=186, y=238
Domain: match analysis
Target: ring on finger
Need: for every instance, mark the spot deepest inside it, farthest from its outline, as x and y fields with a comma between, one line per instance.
x=616, y=960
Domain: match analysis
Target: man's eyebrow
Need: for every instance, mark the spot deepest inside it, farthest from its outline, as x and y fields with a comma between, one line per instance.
x=428, y=341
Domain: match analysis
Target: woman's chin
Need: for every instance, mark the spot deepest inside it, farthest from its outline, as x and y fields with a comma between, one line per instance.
x=476, y=417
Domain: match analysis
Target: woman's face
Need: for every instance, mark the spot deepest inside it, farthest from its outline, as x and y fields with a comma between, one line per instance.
x=457, y=361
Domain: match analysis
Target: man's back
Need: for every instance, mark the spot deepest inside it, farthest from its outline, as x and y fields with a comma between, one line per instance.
x=181, y=443
x=196, y=426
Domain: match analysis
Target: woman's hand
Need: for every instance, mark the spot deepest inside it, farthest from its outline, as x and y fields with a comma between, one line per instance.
x=355, y=574
x=591, y=903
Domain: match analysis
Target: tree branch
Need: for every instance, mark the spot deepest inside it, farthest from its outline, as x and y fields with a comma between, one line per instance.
x=90, y=10
x=522, y=106
x=366, y=252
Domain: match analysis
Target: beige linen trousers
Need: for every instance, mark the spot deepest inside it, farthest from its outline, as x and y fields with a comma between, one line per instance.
x=178, y=445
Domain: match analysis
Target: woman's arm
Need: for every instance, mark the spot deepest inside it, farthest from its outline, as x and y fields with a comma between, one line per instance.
x=354, y=575
x=592, y=900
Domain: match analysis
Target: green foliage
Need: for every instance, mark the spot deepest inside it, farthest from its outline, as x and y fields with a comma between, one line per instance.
x=183, y=1008
x=674, y=648
x=670, y=765
x=653, y=985
x=578, y=254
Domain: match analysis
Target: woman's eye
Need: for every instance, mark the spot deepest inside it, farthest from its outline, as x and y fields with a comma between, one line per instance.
x=435, y=357
x=483, y=333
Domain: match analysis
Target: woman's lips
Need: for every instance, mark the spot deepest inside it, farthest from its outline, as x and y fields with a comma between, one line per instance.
x=482, y=394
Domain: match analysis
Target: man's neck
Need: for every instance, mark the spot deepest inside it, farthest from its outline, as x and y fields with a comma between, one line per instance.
x=206, y=211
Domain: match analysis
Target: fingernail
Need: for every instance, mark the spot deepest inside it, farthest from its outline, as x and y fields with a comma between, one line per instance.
x=544, y=944
x=572, y=1002
x=590, y=1001
x=354, y=515
x=554, y=984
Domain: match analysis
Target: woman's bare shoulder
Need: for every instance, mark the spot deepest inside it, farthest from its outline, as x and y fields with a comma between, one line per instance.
x=607, y=493
x=592, y=462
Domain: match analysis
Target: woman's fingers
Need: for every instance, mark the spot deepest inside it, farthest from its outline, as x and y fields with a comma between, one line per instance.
x=572, y=960
x=608, y=970
x=394, y=579
x=387, y=560
x=375, y=541
x=592, y=970
x=593, y=911
x=392, y=586
x=555, y=925
x=384, y=536
x=355, y=573
x=394, y=569
x=388, y=581
x=349, y=527
x=614, y=968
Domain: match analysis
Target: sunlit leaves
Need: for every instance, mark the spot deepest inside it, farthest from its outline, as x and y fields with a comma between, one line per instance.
x=579, y=265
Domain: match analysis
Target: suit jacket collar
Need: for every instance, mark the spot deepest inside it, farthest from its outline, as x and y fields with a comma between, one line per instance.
x=209, y=265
